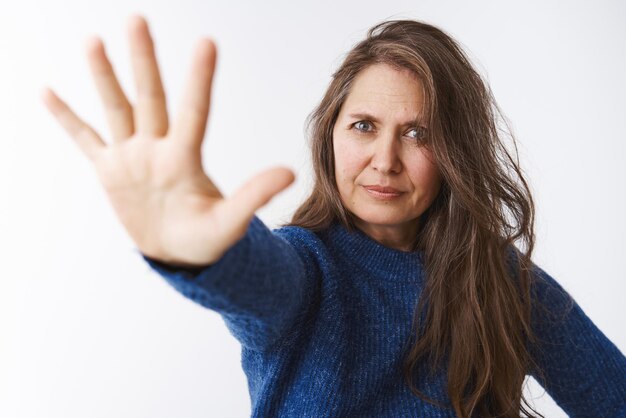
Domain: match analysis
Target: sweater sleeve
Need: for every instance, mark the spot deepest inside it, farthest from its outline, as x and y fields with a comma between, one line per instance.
x=259, y=286
x=585, y=373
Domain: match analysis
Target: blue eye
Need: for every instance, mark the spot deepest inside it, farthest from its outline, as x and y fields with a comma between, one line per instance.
x=361, y=122
x=420, y=131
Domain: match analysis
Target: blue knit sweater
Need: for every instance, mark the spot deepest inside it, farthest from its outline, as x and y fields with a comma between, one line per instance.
x=323, y=321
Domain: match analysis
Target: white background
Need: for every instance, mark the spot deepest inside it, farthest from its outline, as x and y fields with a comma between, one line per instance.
x=87, y=330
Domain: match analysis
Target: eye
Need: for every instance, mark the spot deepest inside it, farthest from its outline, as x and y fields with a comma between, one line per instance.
x=361, y=122
x=420, y=133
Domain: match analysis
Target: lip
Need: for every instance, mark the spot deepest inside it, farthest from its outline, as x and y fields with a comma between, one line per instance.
x=382, y=189
x=375, y=192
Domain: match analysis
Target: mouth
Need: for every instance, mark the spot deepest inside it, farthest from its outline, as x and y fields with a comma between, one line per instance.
x=382, y=189
x=383, y=193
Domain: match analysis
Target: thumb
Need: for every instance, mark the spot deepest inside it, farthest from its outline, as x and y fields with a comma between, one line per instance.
x=257, y=192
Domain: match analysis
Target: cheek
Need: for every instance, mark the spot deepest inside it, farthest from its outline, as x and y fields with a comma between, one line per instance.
x=425, y=175
x=347, y=162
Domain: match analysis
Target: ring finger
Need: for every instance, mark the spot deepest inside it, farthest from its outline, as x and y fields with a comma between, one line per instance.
x=118, y=110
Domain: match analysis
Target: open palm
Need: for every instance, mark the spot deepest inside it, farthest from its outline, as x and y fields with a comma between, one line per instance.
x=152, y=172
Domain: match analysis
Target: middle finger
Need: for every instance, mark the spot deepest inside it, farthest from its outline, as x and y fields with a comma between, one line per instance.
x=151, y=112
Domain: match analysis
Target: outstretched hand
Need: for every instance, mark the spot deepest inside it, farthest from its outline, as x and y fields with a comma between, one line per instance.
x=152, y=172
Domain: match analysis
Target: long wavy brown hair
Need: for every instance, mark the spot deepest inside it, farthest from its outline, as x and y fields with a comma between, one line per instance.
x=476, y=304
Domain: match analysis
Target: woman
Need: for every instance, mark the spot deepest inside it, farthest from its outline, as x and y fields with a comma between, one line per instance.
x=396, y=289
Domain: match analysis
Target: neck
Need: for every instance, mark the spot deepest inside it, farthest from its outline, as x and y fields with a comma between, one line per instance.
x=400, y=237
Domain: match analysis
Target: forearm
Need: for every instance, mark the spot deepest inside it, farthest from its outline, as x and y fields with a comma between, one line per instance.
x=258, y=286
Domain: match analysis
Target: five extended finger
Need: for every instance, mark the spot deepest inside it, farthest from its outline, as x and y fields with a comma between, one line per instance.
x=151, y=109
x=190, y=123
x=118, y=110
x=84, y=135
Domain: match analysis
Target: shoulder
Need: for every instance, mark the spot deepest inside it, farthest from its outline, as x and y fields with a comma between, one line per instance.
x=308, y=244
x=297, y=234
x=550, y=299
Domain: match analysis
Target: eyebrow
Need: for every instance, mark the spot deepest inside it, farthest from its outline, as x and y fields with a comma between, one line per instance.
x=363, y=115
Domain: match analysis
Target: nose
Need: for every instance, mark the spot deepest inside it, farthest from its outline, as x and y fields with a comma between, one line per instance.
x=386, y=158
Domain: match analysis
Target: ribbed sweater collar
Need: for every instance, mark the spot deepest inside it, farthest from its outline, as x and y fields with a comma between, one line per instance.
x=379, y=260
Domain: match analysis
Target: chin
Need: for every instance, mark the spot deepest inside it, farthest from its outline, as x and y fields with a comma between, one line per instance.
x=380, y=218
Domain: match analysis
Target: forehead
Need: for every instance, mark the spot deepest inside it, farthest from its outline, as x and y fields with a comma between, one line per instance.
x=382, y=88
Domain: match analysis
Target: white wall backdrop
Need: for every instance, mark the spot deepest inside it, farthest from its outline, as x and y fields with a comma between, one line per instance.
x=87, y=330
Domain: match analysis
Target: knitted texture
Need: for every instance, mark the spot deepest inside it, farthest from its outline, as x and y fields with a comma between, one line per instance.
x=324, y=321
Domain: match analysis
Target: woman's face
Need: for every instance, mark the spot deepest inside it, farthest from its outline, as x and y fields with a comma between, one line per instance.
x=376, y=143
